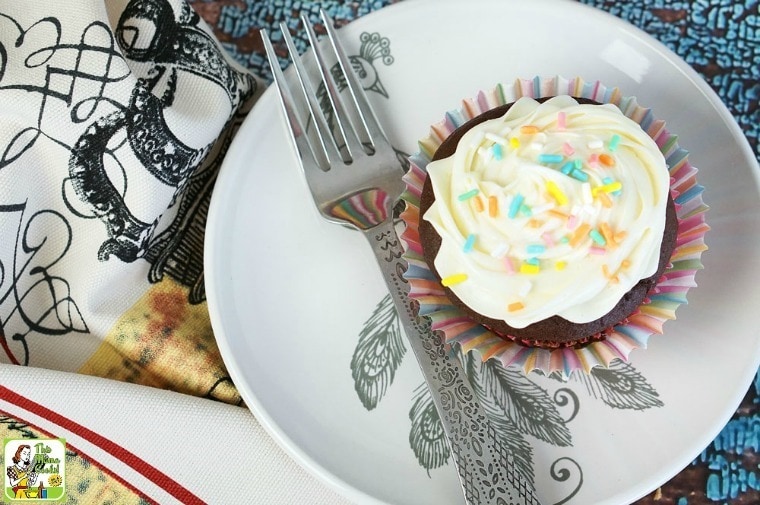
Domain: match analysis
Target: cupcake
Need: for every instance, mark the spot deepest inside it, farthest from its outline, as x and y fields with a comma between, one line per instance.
x=541, y=227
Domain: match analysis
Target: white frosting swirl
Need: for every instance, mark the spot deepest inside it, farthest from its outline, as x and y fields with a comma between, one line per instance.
x=592, y=190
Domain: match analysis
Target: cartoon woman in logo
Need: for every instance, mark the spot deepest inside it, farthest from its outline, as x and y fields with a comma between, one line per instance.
x=21, y=474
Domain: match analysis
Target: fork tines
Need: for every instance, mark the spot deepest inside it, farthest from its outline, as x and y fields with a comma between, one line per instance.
x=354, y=129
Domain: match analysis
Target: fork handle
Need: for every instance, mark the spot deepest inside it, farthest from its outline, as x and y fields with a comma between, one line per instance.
x=483, y=462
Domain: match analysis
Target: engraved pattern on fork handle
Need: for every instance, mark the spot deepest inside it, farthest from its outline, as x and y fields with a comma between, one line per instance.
x=483, y=462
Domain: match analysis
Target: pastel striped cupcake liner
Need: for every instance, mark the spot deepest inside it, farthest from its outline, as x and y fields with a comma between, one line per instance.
x=660, y=304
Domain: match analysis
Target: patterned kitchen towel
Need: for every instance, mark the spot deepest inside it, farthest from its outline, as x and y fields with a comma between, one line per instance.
x=114, y=119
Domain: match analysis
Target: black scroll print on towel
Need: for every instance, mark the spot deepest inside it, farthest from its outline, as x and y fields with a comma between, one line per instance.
x=34, y=297
x=147, y=32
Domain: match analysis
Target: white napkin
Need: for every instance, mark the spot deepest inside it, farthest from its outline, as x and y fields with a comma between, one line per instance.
x=217, y=452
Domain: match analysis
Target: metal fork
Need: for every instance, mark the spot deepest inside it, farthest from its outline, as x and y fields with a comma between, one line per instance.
x=355, y=180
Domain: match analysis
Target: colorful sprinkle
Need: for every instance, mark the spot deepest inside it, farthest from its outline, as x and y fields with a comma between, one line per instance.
x=612, y=278
x=578, y=164
x=478, y=202
x=558, y=213
x=526, y=210
x=580, y=233
x=568, y=149
x=469, y=243
x=567, y=168
x=514, y=143
x=556, y=192
x=514, y=206
x=549, y=158
x=605, y=199
x=614, y=141
x=606, y=160
x=485, y=153
x=597, y=237
x=536, y=146
x=593, y=160
x=548, y=239
x=535, y=223
x=560, y=265
x=579, y=175
x=514, y=307
x=496, y=138
x=500, y=251
x=597, y=250
x=590, y=210
x=508, y=266
x=607, y=233
x=468, y=195
x=525, y=289
x=609, y=187
x=497, y=154
x=451, y=280
x=572, y=220
x=535, y=248
x=561, y=120
x=625, y=264
x=529, y=129
x=587, y=193
x=527, y=268
x=595, y=144
x=533, y=261
x=493, y=206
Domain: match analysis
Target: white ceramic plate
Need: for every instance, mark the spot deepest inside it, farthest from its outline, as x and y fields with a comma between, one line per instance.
x=289, y=293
